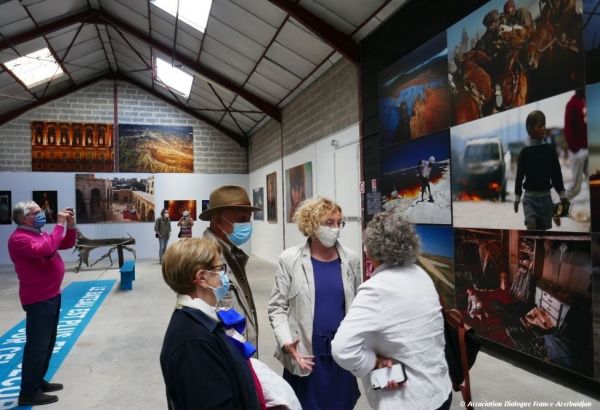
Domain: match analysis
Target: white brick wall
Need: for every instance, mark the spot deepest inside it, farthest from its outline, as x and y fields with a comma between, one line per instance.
x=214, y=153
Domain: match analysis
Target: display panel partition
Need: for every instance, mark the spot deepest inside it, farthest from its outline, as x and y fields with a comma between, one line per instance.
x=524, y=278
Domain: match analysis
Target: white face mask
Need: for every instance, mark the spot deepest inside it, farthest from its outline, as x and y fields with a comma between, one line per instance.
x=327, y=236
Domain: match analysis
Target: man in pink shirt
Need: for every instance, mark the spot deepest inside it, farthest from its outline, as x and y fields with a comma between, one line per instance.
x=40, y=270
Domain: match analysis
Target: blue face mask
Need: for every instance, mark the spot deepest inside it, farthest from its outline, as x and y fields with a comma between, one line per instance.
x=241, y=232
x=39, y=220
x=222, y=290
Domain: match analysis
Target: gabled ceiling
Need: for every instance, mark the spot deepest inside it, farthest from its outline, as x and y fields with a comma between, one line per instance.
x=253, y=58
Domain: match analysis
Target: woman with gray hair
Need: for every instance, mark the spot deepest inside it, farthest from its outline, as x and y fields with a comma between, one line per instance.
x=396, y=318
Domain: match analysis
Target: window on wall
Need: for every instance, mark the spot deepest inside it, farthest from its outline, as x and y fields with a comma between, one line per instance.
x=192, y=12
x=173, y=78
x=35, y=68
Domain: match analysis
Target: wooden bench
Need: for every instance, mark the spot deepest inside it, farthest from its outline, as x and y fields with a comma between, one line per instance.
x=127, y=275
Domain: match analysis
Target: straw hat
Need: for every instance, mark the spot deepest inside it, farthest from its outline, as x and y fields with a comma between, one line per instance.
x=227, y=197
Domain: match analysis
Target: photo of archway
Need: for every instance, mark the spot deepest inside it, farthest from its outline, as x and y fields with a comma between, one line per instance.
x=528, y=291
x=298, y=187
x=258, y=201
x=105, y=198
x=486, y=159
x=156, y=148
x=415, y=179
x=413, y=93
x=48, y=201
x=508, y=54
x=437, y=259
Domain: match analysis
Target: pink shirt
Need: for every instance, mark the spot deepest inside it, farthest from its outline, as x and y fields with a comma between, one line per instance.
x=38, y=264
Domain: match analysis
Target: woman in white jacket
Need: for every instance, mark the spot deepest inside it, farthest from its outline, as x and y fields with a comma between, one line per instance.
x=314, y=287
x=396, y=318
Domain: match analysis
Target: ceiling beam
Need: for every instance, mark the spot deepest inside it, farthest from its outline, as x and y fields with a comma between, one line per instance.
x=101, y=17
x=9, y=116
x=326, y=32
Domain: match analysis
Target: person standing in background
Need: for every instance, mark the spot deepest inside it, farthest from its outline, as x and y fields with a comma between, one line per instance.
x=185, y=225
x=40, y=270
x=162, y=229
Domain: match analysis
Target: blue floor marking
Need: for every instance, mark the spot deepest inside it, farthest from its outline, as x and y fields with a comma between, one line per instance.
x=80, y=301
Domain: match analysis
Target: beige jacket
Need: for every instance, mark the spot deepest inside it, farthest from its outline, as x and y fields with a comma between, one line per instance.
x=292, y=304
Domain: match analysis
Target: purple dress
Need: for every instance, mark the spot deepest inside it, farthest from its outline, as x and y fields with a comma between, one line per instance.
x=328, y=387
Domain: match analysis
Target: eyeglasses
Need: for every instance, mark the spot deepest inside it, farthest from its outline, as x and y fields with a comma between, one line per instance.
x=217, y=269
x=332, y=223
x=34, y=213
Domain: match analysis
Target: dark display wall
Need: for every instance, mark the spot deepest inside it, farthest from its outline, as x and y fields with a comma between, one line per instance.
x=446, y=90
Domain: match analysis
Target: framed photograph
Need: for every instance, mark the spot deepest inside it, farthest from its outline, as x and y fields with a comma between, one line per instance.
x=114, y=198
x=413, y=93
x=258, y=201
x=5, y=208
x=528, y=291
x=437, y=258
x=156, y=148
x=47, y=200
x=298, y=187
x=177, y=207
x=591, y=39
x=272, y=197
x=415, y=179
x=593, y=122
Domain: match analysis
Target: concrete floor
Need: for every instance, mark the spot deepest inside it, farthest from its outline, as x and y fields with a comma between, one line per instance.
x=114, y=363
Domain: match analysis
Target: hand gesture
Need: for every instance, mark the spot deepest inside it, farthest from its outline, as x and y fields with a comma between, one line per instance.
x=306, y=362
x=516, y=205
x=70, y=217
x=63, y=216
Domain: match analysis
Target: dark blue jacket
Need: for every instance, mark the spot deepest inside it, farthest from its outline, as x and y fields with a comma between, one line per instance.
x=201, y=368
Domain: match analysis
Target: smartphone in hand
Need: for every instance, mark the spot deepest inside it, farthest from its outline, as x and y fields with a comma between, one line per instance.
x=380, y=377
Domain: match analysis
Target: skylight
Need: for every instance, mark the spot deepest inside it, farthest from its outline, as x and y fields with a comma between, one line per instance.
x=193, y=12
x=174, y=78
x=35, y=68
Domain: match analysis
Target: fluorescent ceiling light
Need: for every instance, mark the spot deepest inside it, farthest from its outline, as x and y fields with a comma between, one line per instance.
x=35, y=68
x=173, y=78
x=193, y=12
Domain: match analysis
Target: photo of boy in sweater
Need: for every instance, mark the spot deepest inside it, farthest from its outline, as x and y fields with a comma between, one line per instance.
x=538, y=170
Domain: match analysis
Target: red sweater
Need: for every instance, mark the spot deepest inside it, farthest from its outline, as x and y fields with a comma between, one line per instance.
x=38, y=264
x=576, y=124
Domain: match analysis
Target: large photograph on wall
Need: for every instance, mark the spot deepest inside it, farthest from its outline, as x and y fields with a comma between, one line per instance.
x=593, y=98
x=272, y=197
x=507, y=54
x=156, y=148
x=48, y=201
x=413, y=93
x=528, y=291
x=415, y=179
x=109, y=198
x=591, y=39
x=79, y=147
x=437, y=259
x=176, y=208
x=5, y=208
x=487, y=167
x=298, y=187
x=258, y=201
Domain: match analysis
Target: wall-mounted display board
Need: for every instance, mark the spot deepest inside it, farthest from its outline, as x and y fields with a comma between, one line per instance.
x=156, y=148
x=83, y=147
x=272, y=197
x=115, y=198
x=298, y=187
x=258, y=195
x=535, y=291
x=5, y=208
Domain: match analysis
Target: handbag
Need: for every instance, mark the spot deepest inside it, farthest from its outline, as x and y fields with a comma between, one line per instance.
x=461, y=351
x=156, y=235
x=179, y=234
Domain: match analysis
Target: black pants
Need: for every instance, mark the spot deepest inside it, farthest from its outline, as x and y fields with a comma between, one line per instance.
x=41, y=327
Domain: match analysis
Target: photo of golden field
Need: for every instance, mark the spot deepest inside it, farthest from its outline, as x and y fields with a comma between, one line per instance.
x=156, y=148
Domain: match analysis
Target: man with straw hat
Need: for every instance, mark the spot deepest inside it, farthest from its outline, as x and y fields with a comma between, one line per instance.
x=229, y=212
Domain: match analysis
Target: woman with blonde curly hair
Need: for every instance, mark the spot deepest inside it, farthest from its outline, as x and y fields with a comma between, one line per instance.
x=314, y=287
x=395, y=318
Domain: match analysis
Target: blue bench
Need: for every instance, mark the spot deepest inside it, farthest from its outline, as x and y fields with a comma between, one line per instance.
x=127, y=275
